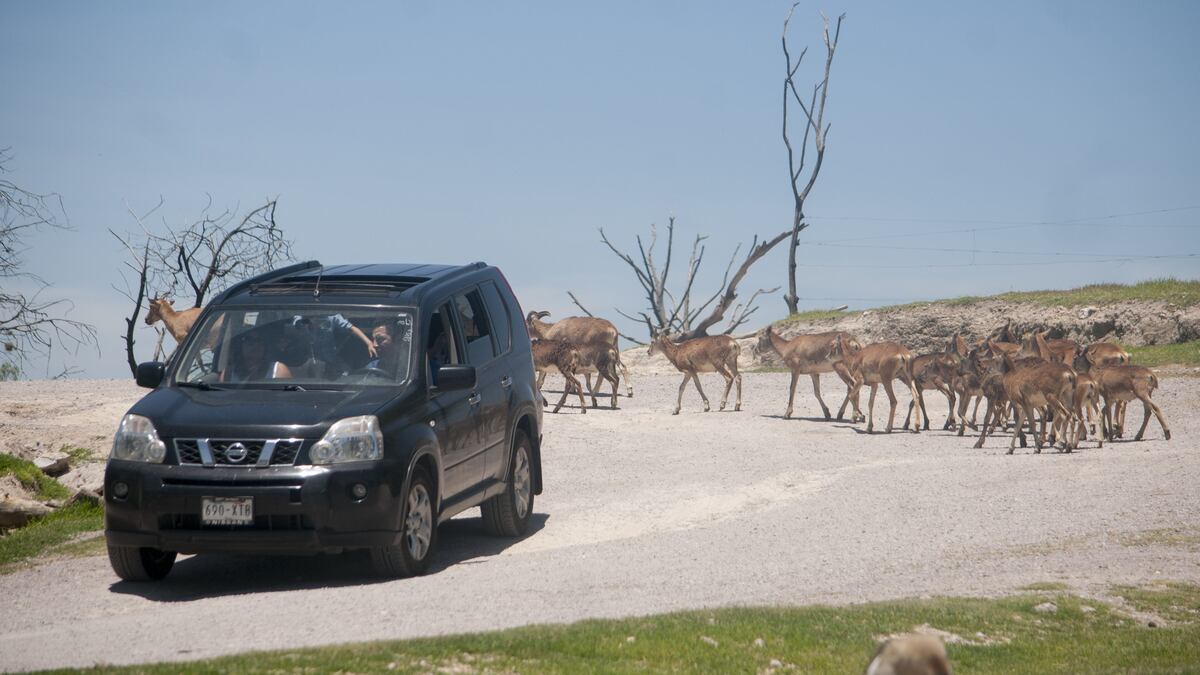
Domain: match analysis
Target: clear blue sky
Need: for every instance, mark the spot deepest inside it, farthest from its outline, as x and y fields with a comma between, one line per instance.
x=509, y=132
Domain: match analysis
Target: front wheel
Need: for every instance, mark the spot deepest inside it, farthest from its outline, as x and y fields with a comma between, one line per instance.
x=410, y=557
x=133, y=563
x=508, y=513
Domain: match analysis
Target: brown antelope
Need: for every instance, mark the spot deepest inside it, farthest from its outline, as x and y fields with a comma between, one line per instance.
x=1085, y=401
x=991, y=383
x=562, y=357
x=910, y=655
x=877, y=364
x=580, y=330
x=1035, y=383
x=1036, y=344
x=1124, y=384
x=1107, y=354
x=602, y=360
x=965, y=381
x=934, y=371
x=812, y=355
x=178, y=323
x=716, y=353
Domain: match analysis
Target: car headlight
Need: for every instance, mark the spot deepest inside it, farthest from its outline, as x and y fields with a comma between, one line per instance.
x=353, y=439
x=137, y=441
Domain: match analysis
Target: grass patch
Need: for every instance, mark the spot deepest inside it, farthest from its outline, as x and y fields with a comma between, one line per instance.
x=79, y=454
x=1045, y=586
x=1182, y=353
x=998, y=636
x=1165, y=537
x=47, y=532
x=1172, y=601
x=1175, y=291
x=43, y=486
x=812, y=315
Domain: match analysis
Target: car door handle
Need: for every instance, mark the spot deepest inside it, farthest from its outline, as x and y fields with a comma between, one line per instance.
x=474, y=399
x=506, y=382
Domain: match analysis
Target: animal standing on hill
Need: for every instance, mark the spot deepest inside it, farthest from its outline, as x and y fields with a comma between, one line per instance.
x=712, y=354
x=812, y=355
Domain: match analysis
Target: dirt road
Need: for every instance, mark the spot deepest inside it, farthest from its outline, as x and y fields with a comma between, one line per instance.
x=645, y=512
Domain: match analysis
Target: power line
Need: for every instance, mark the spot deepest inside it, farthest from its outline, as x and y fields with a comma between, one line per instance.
x=999, y=264
x=980, y=250
x=997, y=225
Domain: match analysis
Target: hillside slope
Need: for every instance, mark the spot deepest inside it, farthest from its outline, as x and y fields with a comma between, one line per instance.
x=1157, y=312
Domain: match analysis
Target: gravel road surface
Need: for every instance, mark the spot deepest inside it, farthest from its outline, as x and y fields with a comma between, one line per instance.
x=645, y=512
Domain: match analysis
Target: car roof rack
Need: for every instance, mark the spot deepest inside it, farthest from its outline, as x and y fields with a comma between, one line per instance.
x=280, y=273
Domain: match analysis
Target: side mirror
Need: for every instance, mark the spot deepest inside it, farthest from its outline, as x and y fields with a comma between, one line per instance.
x=454, y=378
x=150, y=374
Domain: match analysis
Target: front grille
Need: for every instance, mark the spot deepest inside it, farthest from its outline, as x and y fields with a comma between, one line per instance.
x=188, y=451
x=250, y=450
x=222, y=452
x=192, y=521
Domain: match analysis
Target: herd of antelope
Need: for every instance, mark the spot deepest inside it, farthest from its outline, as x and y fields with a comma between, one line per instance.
x=1059, y=383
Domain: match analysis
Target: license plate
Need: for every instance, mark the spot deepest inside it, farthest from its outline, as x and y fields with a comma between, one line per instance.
x=227, y=511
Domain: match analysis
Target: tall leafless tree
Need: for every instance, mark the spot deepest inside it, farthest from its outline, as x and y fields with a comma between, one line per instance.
x=674, y=312
x=199, y=258
x=815, y=129
x=31, y=324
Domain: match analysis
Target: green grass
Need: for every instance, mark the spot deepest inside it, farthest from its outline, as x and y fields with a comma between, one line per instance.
x=1183, y=353
x=813, y=315
x=1045, y=586
x=48, y=532
x=43, y=486
x=1172, y=601
x=1001, y=636
x=78, y=454
x=1176, y=291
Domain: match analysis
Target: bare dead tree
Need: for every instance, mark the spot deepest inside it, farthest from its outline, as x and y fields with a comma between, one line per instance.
x=815, y=129
x=201, y=257
x=31, y=324
x=675, y=313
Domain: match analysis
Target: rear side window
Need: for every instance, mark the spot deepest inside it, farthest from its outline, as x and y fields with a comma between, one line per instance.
x=477, y=332
x=499, y=313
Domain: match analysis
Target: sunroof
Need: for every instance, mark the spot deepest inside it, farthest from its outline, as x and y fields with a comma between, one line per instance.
x=337, y=285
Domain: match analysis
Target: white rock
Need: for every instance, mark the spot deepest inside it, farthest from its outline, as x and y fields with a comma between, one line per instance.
x=776, y=663
x=760, y=643
x=1046, y=608
x=708, y=641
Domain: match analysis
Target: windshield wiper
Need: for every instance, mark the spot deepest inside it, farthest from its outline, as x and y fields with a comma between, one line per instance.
x=202, y=386
x=292, y=387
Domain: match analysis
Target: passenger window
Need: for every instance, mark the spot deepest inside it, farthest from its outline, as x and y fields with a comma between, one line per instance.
x=498, y=310
x=441, y=347
x=477, y=332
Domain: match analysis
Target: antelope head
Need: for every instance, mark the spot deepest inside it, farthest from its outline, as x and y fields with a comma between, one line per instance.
x=156, y=309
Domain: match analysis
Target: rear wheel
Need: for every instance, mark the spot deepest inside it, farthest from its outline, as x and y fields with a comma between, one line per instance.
x=508, y=513
x=133, y=563
x=418, y=535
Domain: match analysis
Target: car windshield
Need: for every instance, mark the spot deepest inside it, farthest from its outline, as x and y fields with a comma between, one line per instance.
x=298, y=348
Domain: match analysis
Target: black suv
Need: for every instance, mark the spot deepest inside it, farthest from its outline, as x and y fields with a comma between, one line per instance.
x=321, y=409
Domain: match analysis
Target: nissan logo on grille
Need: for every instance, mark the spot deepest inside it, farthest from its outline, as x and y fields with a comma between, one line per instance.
x=236, y=452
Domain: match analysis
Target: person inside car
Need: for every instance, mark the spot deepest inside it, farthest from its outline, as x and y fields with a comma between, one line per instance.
x=383, y=339
x=328, y=334
x=252, y=359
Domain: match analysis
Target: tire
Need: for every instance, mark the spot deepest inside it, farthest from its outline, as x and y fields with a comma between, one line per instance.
x=508, y=513
x=418, y=536
x=132, y=563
